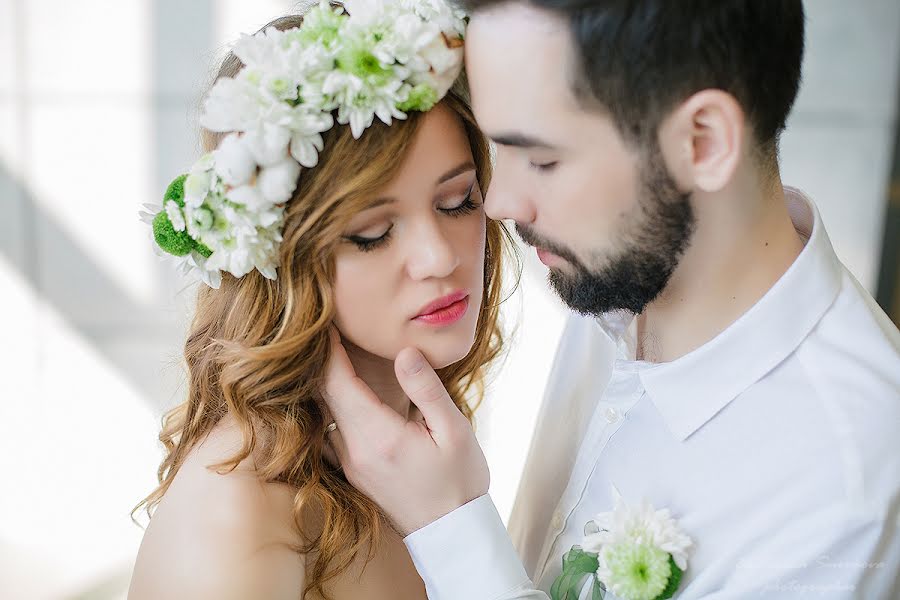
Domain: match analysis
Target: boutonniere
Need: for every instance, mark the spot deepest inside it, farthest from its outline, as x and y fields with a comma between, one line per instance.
x=637, y=553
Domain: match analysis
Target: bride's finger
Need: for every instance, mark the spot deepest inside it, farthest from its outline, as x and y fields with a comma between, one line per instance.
x=352, y=404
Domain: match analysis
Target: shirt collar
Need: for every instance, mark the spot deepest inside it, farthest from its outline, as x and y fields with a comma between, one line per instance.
x=689, y=391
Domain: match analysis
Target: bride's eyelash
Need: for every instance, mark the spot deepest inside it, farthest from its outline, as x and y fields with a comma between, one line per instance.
x=369, y=244
x=467, y=206
x=464, y=208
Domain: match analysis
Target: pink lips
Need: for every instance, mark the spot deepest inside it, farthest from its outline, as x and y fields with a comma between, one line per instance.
x=446, y=310
x=548, y=258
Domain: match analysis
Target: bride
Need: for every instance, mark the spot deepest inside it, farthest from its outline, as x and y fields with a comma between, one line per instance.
x=380, y=235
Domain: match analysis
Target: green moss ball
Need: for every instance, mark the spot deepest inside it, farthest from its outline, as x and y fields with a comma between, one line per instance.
x=175, y=191
x=176, y=243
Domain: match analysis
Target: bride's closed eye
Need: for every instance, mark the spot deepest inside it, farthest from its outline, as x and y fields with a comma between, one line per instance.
x=467, y=206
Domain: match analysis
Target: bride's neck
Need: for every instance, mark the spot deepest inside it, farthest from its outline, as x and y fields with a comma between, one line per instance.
x=378, y=373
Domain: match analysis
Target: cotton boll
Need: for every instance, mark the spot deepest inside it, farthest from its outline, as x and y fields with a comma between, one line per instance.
x=233, y=161
x=268, y=144
x=277, y=183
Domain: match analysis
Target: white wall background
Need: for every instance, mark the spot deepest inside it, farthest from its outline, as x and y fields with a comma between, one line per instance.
x=97, y=112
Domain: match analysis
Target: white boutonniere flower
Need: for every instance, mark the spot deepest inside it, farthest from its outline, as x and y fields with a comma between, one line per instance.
x=635, y=552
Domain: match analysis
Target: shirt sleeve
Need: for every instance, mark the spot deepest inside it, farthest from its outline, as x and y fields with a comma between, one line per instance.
x=468, y=554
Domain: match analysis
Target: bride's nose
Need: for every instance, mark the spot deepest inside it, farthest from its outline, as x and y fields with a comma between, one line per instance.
x=430, y=253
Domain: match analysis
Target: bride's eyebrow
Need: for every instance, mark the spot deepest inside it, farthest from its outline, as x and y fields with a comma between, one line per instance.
x=466, y=166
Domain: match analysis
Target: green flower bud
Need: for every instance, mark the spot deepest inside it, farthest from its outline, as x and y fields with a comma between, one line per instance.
x=421, y=98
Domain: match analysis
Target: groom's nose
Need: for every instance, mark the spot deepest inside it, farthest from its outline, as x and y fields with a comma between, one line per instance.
x=506, y=197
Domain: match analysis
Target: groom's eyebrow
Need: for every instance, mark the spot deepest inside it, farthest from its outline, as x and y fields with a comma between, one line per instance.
x=521, y=140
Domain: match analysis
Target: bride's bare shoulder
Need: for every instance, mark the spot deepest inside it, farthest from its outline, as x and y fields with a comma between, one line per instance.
x=220, y=535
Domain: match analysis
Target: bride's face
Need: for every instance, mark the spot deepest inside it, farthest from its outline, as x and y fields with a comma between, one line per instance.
x=424, y=244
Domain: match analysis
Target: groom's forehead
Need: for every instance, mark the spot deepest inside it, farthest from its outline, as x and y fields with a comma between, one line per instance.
x=519, y=56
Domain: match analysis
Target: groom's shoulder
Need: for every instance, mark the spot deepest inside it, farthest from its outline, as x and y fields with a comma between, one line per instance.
x=851, y=365
x=855, y=348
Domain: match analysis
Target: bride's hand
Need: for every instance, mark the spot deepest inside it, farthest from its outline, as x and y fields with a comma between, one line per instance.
x=416, y=470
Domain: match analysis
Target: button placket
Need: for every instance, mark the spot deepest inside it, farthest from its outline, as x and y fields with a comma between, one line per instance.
x=612, y=414
x=574, y=493
x=606, y=420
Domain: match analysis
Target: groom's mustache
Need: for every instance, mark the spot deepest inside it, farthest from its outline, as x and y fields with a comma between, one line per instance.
x=532, y=238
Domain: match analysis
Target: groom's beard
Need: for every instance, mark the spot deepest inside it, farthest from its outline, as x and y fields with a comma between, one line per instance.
x=657, y=233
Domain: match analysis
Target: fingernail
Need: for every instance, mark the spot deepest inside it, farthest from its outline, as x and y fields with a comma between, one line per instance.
x=414, y=365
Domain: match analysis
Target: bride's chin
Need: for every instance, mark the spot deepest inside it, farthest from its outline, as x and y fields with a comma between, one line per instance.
x=443, y=355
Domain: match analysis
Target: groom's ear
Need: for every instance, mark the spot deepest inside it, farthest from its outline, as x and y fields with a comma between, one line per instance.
x=703, y=139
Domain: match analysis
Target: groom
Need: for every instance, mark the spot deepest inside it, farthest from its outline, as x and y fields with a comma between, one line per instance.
x=720, y=361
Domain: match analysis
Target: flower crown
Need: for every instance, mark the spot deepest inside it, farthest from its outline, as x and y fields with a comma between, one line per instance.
x=384, y=59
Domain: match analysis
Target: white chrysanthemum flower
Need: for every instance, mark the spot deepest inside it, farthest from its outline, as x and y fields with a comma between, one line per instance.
x=367, y=13
x=246, y=239
x=261, y=49
x=195, y=264
x=446, y=16
x=196, y=188
x=190, y=264
x=634, y=571
x=231, y=258
x=204, y=163
x=199, y=220
x=232, y=104
x=387, y=57
x=281, y=87
x=359, y=102
x=306, y=140
x=305, y=148
x=321, y=26
x=639, y=525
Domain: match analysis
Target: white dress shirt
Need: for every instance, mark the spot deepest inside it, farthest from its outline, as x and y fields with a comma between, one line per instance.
x=776, y=446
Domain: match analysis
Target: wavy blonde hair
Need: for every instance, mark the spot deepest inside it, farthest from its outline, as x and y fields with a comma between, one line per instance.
x=257, y=349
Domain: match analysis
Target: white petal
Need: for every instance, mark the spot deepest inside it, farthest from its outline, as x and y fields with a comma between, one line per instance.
x=360, y=119
x=173, y=211
x=268, y=271
x=305, y=149
x=228, y=106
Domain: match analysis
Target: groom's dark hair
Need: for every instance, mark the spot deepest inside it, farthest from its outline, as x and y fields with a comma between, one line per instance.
x=638, y=59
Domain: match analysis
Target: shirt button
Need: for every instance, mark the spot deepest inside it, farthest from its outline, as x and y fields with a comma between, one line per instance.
x=612, y=415
x=557, y=521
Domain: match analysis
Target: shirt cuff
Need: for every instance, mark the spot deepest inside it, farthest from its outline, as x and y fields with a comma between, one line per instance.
x=467, y=554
